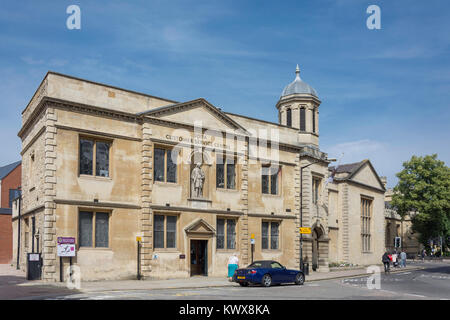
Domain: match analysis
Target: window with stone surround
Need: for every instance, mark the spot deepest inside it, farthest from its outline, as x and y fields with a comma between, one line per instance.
x=93, y=229
x=94, y=157
x=270, y=235
x=27, y=233
x=314, y=121
x=225, y=172
x=366, y=216
x=164, y=231
x=165, y=164
x=270, y=179
x=315, y=189
x=302, y=119
x=289, y=117
x=226, y=233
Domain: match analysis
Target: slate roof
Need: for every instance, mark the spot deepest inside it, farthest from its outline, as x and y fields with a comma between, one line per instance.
x=352, y=169
x=348, y=167
x=5, y=170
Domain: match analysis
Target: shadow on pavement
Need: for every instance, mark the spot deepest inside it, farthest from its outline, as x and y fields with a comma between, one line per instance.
x=17, y=287
x=438, y=269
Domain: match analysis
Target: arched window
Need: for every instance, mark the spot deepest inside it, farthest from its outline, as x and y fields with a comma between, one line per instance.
x=289, y=117
x=302, y=119
x=314, y=121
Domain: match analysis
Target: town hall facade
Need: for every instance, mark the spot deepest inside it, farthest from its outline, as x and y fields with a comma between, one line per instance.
x=193, y=183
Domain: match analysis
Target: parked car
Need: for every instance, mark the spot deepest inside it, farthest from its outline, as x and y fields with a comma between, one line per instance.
x=267, y=272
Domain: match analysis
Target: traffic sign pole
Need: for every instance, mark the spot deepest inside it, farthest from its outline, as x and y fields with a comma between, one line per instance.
x=138, y=240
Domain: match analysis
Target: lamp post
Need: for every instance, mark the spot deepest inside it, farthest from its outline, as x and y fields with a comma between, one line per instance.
x=301, y=207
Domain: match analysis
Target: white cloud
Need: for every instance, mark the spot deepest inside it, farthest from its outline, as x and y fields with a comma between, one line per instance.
x=385, y=158
x=32, y=61
x=355, y=151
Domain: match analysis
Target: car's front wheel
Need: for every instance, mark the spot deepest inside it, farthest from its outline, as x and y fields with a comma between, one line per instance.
x=266, y=280
x=243, y=284
x=299, y=278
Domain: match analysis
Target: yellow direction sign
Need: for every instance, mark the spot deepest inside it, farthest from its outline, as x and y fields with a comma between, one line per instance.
x=305, y=230
x=252, y=236
x=139, y=239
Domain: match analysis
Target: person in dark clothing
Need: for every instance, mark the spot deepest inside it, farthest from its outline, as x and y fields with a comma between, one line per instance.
x=386, y=261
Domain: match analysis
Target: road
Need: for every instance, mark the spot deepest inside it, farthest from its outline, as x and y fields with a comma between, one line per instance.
x=429, y=283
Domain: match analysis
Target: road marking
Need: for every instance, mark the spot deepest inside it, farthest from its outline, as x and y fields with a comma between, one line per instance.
x=415, y=295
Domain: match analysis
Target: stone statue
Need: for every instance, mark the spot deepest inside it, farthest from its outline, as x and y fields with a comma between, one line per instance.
x=197, y=177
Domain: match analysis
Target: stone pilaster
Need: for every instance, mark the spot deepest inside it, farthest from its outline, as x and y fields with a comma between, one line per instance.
x=49, y=236
x=323, y=255
x=345, y=225
x=244, y=235
x=297, y=209
x=306, y=186
x=146, y=200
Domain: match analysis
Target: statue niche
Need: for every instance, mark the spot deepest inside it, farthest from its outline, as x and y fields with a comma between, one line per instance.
x=197, y=181
x=199, y=175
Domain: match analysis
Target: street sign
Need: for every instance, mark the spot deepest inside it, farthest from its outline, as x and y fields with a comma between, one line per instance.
x=33, y=257
x=66, y=250
x=139, y=239
x=252, y=236
x=305, y=230
x=252, y=241
x=66, y=240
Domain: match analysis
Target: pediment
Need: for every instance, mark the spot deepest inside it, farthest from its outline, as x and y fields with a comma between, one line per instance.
x=200, y=226
x=196, y=111
x=367, y=175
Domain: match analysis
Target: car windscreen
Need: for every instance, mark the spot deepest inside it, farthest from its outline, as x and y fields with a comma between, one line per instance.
x=258, y=264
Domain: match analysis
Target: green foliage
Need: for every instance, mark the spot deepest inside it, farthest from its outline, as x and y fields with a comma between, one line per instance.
x=424, y=187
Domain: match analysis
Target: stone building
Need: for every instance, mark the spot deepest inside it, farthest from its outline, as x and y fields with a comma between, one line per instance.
x=106, y=165
x=356, y=214
x=396, y=226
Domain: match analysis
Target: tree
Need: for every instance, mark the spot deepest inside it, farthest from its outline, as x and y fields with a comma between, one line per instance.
x=424, y=188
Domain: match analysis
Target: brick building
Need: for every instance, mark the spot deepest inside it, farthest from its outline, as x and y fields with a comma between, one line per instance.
x=10, y=181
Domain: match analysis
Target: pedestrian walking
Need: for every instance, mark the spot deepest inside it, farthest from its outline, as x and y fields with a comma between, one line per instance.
x=403, y=259
x=233, y=264
x=386, y=261
x=423, y=254
x=394, y=259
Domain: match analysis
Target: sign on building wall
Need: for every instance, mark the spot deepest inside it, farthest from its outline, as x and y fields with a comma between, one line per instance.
x=305, y=230
x=66, y=247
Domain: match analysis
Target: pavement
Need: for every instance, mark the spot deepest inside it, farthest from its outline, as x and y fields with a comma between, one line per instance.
x=14, y=285
x=10, y=276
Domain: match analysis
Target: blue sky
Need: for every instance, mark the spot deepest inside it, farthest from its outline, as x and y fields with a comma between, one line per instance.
x=385, y=93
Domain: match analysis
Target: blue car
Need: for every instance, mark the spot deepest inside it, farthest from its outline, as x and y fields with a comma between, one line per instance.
x=267, y=272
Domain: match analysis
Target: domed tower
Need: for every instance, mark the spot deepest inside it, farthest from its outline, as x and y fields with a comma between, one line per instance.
x=298, y=108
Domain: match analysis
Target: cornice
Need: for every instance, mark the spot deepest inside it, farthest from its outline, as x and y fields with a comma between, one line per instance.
x=129, y=117
x=100, y=204
x=297, y=98
x=47, y=102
